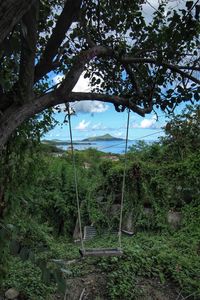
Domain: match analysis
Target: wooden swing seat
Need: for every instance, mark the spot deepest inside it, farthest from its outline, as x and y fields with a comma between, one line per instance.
x=101, y=252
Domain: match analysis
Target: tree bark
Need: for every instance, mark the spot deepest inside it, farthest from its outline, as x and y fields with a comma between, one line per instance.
x=70, y=11
x=11, y=12
x=28, y=50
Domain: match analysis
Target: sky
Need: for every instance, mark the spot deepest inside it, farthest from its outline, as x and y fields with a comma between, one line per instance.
x=94, y=118
x=108, y=121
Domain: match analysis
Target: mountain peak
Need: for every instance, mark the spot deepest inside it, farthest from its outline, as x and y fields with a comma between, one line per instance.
x=105, y=137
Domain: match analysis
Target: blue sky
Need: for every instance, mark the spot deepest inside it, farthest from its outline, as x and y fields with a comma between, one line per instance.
x=108, y=121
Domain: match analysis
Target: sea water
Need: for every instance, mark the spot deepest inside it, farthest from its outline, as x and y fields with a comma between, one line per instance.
x=117, y=147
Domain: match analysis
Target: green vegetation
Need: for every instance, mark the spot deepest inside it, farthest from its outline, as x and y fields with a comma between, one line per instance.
x=41, y=213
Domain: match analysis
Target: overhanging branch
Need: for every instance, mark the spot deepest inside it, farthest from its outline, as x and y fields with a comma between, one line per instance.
x=28, y=50
x=78, y=67
x=116, y=100
x=174, y=68
x=17, y=114
x=68, y=14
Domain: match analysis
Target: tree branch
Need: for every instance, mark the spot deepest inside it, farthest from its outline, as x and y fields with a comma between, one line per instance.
x=79, y=65
x=71, y=78
x=189, y=68
x=11, y=12
x=116, y=100
x=67, y=16
x=28, y=49
x=133, y=79
x=17, y=114
x=174, y=68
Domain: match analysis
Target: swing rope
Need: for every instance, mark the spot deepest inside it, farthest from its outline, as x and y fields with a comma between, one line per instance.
x=75, y=178
x=76, y=181
x=123, y=182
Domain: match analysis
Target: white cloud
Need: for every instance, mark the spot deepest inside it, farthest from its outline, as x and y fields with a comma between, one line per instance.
x=146, y=124
x=83, y=125
x=99, y=126
x=83, y=84
x=118, y=134
x=90, y=106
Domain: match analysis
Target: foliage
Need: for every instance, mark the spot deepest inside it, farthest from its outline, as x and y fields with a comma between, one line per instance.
x=131, y=61
x=182, y=133
x=166, y=256
x=27, y=279
x=42, y=214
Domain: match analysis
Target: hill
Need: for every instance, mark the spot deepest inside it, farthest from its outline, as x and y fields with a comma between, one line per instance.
x=56, y=142
x=105, y=137
x=63, y=143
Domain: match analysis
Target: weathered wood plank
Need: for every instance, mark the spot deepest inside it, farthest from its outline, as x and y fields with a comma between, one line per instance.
x=101, y=252
x=126, y=232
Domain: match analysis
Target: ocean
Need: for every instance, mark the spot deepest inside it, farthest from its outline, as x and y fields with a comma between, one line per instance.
x=116, y=147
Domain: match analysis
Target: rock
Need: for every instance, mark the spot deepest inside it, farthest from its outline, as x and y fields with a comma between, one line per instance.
x=128, y=222
x=11, y=294
x=148, y=211
x=114, y=210
x=174, y=219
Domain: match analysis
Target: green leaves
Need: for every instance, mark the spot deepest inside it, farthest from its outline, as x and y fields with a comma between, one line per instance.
x=26, y=278
x=196, y=96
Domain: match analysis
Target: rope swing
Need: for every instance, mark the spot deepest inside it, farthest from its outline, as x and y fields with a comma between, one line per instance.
x=123, y=182
x=75, y=177
x=102, y=251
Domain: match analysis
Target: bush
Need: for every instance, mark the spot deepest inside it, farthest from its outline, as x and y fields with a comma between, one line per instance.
x=27, y=279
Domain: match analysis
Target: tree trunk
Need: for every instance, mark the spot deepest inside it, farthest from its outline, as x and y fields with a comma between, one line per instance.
x=17, y=114
x=11, y=12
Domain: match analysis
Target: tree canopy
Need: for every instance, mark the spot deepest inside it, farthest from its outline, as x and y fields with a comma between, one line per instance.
x=131, y=61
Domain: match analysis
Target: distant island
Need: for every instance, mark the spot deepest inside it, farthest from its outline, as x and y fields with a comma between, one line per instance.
x=64, y=143
x=105, y=137
x=87, y=141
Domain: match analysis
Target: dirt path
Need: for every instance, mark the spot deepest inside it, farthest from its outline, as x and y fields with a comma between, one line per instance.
x=94, y=287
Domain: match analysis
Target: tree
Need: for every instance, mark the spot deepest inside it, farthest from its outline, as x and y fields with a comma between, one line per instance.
x=130, y=62
x=11, y=12
x=182, y=133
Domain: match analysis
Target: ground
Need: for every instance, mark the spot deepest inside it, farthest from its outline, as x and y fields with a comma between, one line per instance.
x=93, y=287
